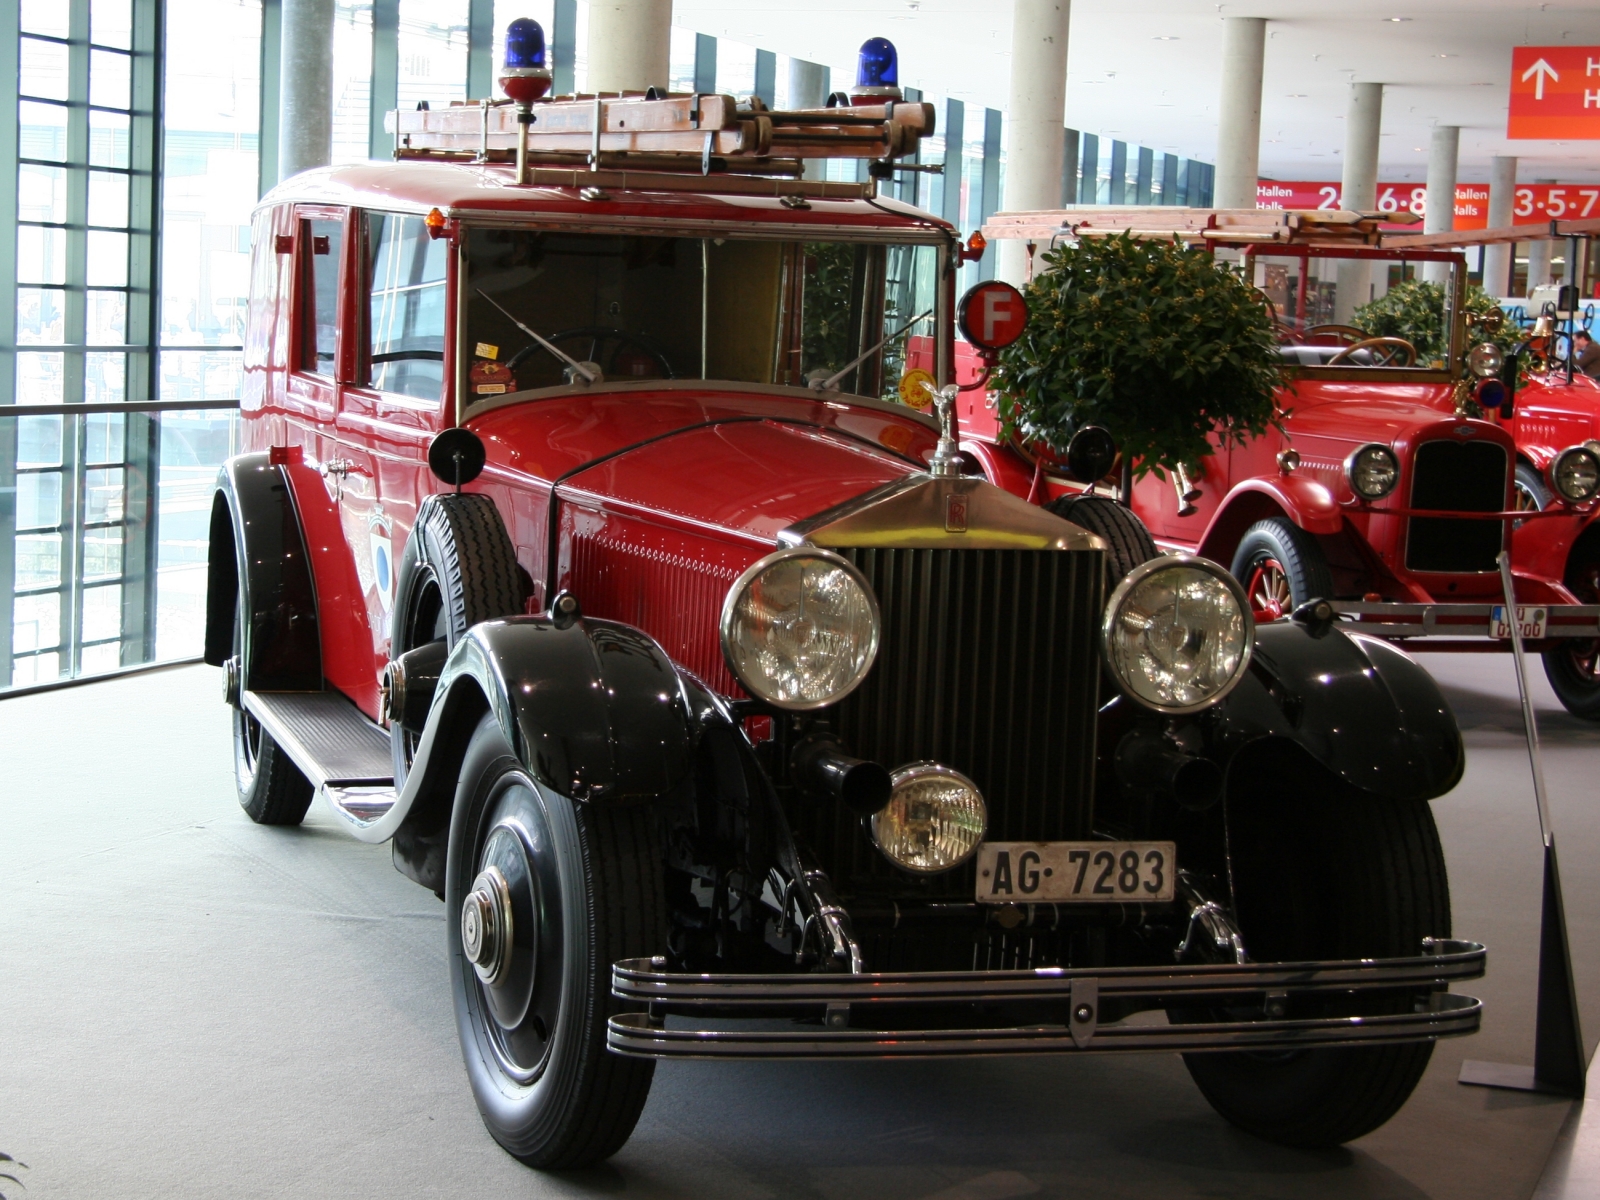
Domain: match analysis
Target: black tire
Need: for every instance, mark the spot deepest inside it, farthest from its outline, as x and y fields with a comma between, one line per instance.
x=272, y=790
x=1329, y=873
x=458, y=569
x=1128, y=542
x=1280, y=566
x=1573, y=668
x=1529, y=489
x=535, y=1043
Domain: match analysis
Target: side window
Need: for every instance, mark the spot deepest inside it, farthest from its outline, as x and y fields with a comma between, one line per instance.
x=405, y=309
x=319, y=305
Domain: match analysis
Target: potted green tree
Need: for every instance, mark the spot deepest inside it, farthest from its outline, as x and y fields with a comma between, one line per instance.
x=1152, y=340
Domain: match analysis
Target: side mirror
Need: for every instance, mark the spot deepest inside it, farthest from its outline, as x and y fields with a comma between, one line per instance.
x=991, y=316
x=456, y=456
x=1091, y=454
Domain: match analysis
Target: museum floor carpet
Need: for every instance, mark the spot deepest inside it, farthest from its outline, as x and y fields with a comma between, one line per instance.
x=194, y=1006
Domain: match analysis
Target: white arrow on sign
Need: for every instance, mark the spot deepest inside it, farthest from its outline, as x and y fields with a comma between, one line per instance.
x=1537, y=73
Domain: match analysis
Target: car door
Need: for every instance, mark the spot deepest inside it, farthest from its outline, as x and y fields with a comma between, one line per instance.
x=393, y=405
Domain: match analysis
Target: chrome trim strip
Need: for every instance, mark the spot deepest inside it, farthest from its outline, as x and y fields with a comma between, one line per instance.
x=637, y=1035
x=834, y=400
x=1399, y=620
x=646, y=980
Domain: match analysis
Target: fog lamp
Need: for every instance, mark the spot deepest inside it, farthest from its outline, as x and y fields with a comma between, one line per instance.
x=1575, y=474
x=934, y=820
x=1373, y=471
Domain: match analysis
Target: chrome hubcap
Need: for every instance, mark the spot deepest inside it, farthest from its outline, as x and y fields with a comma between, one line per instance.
x=486, y=926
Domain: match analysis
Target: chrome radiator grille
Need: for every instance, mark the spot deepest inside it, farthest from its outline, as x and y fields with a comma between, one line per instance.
x=1460, y=477
x=989, y=664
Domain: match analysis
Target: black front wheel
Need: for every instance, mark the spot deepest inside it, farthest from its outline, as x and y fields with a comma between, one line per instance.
x=1327, y=873
x=542, y=895
x=1573, y=667
x=1280, y=566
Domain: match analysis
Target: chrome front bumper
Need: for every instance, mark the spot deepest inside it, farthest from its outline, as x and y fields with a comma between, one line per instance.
x=1391, y=619
x=838, y=999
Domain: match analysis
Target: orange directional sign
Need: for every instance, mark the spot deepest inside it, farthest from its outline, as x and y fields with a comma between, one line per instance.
x=1555, y=92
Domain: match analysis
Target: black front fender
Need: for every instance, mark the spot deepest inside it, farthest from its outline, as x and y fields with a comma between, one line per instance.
x=595, y=710
x=1362, y=708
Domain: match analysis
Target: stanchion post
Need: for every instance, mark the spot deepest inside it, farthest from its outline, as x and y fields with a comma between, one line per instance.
x=1558, y=1062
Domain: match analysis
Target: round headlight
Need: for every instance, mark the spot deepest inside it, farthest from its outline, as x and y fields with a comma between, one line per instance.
x=1485, y=360
x=1575, y=474
x=800, y=628
x=1373, y=471
x=934, y=820
x=1178, y=633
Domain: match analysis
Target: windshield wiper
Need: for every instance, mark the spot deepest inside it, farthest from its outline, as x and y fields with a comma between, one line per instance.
x=832, y=381
x=588, y=375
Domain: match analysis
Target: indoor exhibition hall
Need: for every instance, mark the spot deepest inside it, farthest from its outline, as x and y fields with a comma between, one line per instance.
x=801, y=600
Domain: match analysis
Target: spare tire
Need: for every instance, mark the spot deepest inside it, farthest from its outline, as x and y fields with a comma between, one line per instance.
x=1128, y=542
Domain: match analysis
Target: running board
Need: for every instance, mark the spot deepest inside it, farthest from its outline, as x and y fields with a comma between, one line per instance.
x=345, y=756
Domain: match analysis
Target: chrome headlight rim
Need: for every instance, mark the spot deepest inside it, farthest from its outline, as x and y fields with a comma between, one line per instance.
x=1553, y=475
x=1137, y=576
x=725, y=624
x=922, y=769
x=1485, y=360
x=1350, y=470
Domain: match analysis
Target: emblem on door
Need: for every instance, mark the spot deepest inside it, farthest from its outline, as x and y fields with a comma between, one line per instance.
x=382, y=561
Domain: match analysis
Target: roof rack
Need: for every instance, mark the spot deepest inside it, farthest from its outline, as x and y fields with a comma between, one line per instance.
x=1215, y=226
x=1544, y=231
x=700, y=134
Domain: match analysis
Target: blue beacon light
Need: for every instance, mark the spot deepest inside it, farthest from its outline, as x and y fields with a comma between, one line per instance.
x=525, y=75
x=877, y=73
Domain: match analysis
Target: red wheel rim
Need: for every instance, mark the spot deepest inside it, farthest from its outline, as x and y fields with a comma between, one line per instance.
x=1268, y=589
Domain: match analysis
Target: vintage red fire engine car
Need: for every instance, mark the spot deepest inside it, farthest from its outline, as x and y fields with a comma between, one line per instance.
x=1548, y=407
x=1393, y=484
x=575, y=551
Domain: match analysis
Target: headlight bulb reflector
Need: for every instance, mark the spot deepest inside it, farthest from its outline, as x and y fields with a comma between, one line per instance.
x=1178, y=633
x=800, y=628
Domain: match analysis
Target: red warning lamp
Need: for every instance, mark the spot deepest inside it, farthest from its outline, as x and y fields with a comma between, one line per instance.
x=434, y=223
x=877, y=73
x=525, y=72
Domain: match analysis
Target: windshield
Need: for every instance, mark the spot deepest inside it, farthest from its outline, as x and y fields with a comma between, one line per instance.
x=1358, y=313
x=642, y=306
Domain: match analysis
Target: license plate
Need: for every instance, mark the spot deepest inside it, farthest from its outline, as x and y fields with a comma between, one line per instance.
x=1530, y=621
x=1076, y=872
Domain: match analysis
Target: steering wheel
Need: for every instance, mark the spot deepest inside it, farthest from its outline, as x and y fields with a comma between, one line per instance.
x=1348, y=335
x=1385, y=351
x=598, y=334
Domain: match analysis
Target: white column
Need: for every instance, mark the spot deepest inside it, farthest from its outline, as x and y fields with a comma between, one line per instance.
x=305, y=87
x=1540, y=270
x=1502, y=199
x=1244, y=42
x=1440, y=216
x=1035, y=118
x=808, y=88
x=629, y=45
x=1359, y=190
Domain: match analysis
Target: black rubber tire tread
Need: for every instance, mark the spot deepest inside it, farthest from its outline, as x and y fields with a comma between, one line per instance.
x=1302, y=558
x=590, y=1099
x=472, y=559
x=1530, y=479
x=1128, y=542
x=275, y=792
x=1384, y=889
x=1577, y=690
x=622, y=852
x=460, y=544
